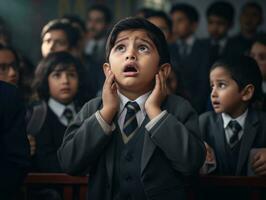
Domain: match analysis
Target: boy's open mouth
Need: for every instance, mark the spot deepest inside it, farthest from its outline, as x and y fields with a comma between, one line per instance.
x=130, y=68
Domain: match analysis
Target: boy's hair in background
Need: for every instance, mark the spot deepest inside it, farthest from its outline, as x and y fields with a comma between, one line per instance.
x=261, y=39
x=13, y=51
x=108, y=17
x=60, y=61
x=138, y=23
x=190, y=11
x=162, y=15
x=243, y=70
x=72, y=34
x=256, y=6
x=223, y=10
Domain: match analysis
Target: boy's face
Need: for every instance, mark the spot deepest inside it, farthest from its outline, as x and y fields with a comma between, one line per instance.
x=250, y=19
x=63, y=84
x=182, y=26
x=8, y=67
x=225, y=94
x=161, y=24
x=258, y=52
x=134, y=60
x=54, y=41
x=96, y=24
x=217, y=27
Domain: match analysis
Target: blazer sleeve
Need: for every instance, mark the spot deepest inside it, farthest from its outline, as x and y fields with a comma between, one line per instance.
x=177, y=135
x=14, y=147
x=84, y=141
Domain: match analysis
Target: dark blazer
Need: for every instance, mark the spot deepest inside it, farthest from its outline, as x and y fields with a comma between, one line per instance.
x=194, y=72
x=211, y=126
x=171, y=149
x=14, y=147
x=48, y=140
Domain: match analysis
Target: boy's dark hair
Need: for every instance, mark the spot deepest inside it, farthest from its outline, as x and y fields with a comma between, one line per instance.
x=154, y=33
x=163, y=15
x=76, y=20
x=103, y=9
x=13, y=51
x=222, y=9
x=72, y=34
x=244, y=70
x=146, y=12
x=47, y=65
x=189, y=10
x=256, y=6
x=261, y=39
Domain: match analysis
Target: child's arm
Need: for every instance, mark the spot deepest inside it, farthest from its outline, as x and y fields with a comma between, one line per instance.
x=210, y=161
x=176, y=133
x=86, y=139
x=259, y=162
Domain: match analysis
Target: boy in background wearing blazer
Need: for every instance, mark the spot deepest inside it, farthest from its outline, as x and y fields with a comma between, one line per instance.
x=143, y=155
x=235, y=134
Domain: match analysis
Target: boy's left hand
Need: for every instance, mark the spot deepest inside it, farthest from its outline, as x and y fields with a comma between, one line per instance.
x=153, y=103
x=259, y=162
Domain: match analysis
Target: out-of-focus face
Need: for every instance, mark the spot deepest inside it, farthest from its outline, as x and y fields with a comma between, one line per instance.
x=134, y=60
x=258, y=52
x=54, y=41
x=63, y=84
x=217, y=27
x=182, y=26
x=8, y=67
x=96, y=24
x=225, y=94
x=161, y=24
x=250, y=19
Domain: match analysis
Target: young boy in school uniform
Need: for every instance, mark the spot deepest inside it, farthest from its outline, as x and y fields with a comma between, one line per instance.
x=136, y=142
x=234, y=132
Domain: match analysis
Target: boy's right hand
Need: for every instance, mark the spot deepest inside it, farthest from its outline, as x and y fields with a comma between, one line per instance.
x=32, y=143
x=110, y=98
x=210, y=156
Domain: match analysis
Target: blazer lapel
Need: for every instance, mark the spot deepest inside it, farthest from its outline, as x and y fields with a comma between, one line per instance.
x=148, y=145
x=219, y=139
x=250, y=132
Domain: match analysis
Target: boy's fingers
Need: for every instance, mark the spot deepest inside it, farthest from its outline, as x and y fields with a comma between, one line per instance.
x=258, y=163
x=261, y=169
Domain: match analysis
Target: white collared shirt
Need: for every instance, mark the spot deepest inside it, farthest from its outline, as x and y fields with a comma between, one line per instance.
x=189, y=42
x=140, y=115
x=241, y=120
x=59, y=109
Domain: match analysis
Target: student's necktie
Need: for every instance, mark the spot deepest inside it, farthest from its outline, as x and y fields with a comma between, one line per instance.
x=131, y=123
x=68, y=115
x=236, y=128
x=183, y=49
x=214, y=52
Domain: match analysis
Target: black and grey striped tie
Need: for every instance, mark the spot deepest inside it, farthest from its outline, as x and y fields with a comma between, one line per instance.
x=130, y=123
x=236, y=128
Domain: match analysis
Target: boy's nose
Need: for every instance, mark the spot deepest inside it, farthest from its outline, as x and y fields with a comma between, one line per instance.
x=131, y=57
x=213, y=92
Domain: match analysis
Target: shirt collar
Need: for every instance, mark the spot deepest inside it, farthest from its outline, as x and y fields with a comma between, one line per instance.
x=59, y=108
x=140, y=101
x=264, y=86
x=240, y=119
x=189, y=41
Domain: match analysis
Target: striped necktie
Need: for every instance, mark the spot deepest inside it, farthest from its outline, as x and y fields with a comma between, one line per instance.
x=130, y=123
x=236, y=128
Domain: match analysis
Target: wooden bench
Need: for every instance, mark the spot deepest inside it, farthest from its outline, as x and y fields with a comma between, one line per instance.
x=254, y=184
x=68, y=183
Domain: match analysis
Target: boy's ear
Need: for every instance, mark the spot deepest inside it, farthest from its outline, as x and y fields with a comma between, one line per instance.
x=106, y=68
x=166, y=69
x=248, y=92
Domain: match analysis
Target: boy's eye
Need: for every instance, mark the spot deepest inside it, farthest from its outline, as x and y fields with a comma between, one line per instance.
x=120, y=48
x=72, y=74
x=143, y=48
x=56, y=75
x=222, y=85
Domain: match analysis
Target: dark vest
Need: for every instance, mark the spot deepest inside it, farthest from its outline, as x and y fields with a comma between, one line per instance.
x=127, y=181
x=232, y=155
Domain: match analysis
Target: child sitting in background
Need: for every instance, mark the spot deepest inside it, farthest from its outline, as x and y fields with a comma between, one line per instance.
x=57, y=83
x=235, y=134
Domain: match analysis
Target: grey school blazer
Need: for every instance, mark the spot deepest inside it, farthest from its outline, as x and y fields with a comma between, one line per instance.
x=172, y=148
